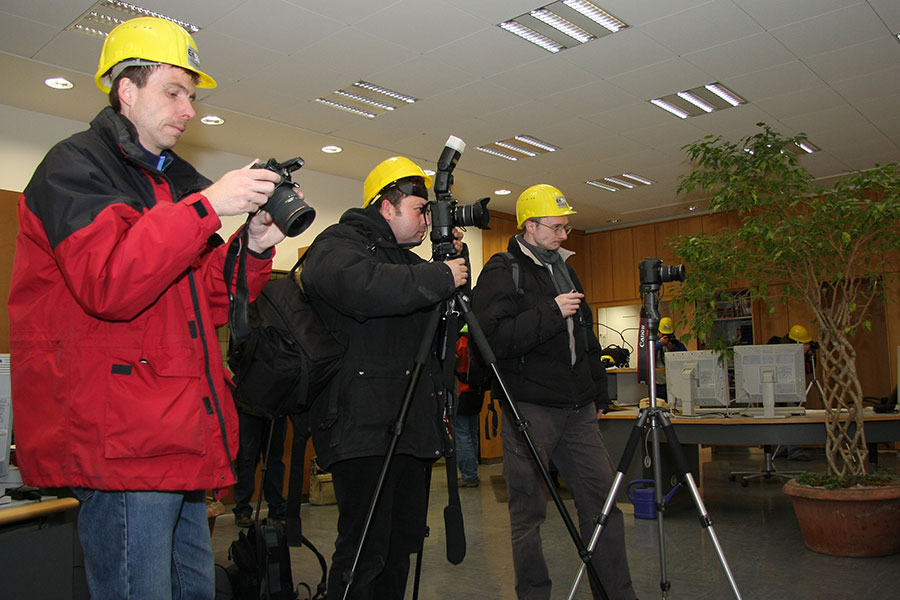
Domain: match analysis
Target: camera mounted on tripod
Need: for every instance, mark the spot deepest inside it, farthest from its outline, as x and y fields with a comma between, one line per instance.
x=446, y=212
x=292, y=215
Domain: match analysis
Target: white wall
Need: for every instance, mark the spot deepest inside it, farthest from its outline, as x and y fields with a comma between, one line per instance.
x=25, y=137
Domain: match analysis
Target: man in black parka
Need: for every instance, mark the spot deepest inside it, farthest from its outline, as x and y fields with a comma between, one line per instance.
x=377, y=296
x=531, y=307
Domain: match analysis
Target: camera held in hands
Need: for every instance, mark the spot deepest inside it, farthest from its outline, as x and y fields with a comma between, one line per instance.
x=446, y=212
x=292, y=215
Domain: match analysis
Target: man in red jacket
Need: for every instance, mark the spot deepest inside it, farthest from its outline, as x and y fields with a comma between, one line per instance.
x=119, y=390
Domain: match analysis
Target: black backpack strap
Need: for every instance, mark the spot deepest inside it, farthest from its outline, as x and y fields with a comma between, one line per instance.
x=514, y=267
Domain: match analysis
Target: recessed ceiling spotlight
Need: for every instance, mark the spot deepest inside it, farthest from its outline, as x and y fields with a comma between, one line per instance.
x=332, y=149
x=692, y=207
x=59, y=83
x=613, y=220
x=502, y=192
x=212, y=120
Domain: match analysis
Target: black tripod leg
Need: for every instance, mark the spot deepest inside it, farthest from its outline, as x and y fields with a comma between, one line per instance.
x=421, y=551
x=477, y=335
x=421, y=359
x=688, y=479
x=625, y=460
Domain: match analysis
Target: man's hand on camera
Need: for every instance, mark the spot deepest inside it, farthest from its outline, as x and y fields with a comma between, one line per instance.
x=457, y=239
x=263, y=232
x=459, y=269
x=568, y=303
x=241, y=191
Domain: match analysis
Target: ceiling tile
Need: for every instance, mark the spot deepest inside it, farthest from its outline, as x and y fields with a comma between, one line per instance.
x=837, y=29
x=661, y=79
x=744, y=55
x=705, y=26
x=853, y=61
x=627, y=50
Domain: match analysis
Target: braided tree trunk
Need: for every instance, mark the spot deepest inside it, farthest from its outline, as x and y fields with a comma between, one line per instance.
x=845, y=447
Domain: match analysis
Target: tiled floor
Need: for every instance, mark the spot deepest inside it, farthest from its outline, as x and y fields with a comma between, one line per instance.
x=755, y=525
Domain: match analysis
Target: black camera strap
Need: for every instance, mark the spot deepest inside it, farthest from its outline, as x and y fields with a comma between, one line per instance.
x=236, y=284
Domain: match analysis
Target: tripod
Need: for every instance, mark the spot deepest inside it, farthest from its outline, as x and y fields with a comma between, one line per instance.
x=655, y=418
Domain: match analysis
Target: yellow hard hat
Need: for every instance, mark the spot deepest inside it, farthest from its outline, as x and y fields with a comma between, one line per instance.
x=666, y=326
x=149, y=41
x=541, y=200
x=799, y=333
x=387, y=172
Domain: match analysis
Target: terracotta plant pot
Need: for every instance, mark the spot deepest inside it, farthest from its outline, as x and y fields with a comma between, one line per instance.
x=856, y=522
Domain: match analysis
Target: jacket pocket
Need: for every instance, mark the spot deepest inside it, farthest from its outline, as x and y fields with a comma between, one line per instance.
x=152, y=410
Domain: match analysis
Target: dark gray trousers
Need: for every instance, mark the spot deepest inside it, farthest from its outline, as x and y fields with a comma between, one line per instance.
x=572, y=440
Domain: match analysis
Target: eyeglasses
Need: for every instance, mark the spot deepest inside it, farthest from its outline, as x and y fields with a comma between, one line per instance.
x=558, y=229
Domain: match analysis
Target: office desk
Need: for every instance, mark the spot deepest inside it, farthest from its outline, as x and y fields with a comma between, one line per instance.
x=616, y=427
x=37, y=550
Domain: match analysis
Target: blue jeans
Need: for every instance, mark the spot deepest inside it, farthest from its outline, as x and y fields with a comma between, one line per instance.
x=146, y=545
x=465, y=430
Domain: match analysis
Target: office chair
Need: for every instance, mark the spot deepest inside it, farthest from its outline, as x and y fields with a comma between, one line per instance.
x=768, y=470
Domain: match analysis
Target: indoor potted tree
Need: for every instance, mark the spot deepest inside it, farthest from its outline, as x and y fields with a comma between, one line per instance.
x=836, y=250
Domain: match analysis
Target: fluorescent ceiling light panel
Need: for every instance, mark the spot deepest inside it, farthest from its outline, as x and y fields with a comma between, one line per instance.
x=626, y=181
x=696, y=101
x=725, y=94
x=563, y=24
x=520, y=146
x=560, y=24
x=357, y=98
x=603, y=186
x=638, y=178
x=103, y=16
x=527, y=139
x=596, y=14
x=344, y=107
x=515, y=148
x=670, y=108
x=493, y=152
x=364, y=100
x=699, y=100
x=385, y=92
x=530, y=35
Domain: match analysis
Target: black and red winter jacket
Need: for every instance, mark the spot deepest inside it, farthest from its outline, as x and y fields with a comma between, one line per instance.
x=117, y=290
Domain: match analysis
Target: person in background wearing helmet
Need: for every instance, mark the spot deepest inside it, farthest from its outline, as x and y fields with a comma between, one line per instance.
x=541, y=331
x=797, y=334
x=377, y=296
x=667, y=343
x=667, y=339
x=117, y=290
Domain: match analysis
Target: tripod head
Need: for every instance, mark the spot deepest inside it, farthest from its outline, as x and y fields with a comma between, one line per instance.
x=653, y=274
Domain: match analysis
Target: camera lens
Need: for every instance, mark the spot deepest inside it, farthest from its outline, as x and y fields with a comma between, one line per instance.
x=292, y=215
x=671, y=273
x=473, y=215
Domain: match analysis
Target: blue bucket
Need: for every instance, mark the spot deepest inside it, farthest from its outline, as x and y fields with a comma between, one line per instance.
x=644, y=498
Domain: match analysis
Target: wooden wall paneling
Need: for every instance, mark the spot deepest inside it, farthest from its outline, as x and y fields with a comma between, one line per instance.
x=496, y=239
x=892, y=327
x=601, y=286
x=644, y=240
x=623, y=264
x=663, y=234
x=9, y=229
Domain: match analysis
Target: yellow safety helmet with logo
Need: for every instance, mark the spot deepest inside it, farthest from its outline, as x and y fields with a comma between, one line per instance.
x=666, y=326
x=387, y=172
x=799, y=334
x=541, y=200
x=148, y=41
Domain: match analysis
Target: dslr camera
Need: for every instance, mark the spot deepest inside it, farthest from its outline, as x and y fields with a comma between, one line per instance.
x=292, y=215
x=654, y=274
x=446, y=212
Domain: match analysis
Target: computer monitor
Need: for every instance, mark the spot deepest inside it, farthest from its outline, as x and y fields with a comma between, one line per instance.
x=696, y=378
x=754, y=366
x=5, y=414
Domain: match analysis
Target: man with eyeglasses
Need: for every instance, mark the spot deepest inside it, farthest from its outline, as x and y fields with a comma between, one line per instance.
x=531, y=306
x=376, y=296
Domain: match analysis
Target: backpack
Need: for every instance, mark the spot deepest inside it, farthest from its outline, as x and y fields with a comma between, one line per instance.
x=281, y=354
x=262, y=564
